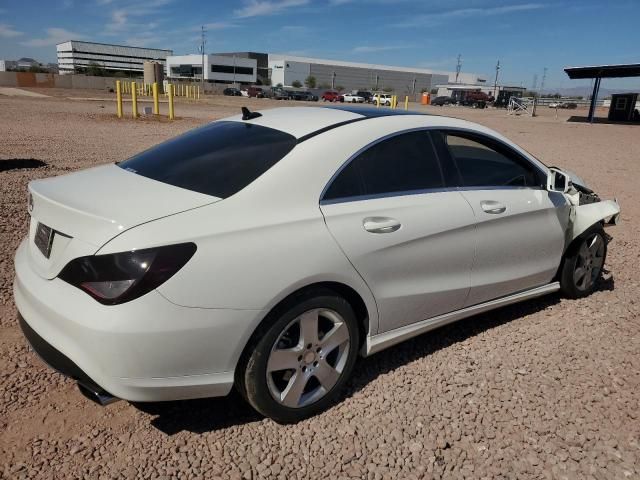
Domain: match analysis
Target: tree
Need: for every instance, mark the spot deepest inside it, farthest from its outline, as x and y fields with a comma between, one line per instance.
x=267, y=82
x=325, y=85
x=310, y=81
x=387, y=89
x=96, y=70
x=279, y=85
x=296, y=84
x=339, y=88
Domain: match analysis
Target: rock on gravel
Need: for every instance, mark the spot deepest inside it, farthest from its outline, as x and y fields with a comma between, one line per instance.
x=545, y=389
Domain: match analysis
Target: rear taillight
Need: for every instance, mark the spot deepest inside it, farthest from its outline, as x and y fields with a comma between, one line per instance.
x=120, y=277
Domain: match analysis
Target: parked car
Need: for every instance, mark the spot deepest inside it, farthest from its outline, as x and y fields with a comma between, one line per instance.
x=330, y=96
x=385, y=99
x=351, y=98
x=443, y=100
x=555, y=104
x=256, y=92
x=302, y=95
x=365, y=94
x=269, y=258
x=232, y=92
x=281, y=94
x=568, y=105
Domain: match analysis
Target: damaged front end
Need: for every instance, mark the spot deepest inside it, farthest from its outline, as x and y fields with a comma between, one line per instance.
x=587, y=209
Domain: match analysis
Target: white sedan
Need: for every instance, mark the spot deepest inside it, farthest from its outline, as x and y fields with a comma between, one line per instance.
x=351, y=98
x=267, y=251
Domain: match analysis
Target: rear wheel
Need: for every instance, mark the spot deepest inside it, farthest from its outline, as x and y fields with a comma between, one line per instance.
x=583, y=263
x=303, y=359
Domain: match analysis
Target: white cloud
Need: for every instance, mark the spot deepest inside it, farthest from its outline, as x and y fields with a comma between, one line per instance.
x=7, y=31
x=54, y=36
x=438, y=18
x=378, y=48
x=143, y=41
x=255, y=8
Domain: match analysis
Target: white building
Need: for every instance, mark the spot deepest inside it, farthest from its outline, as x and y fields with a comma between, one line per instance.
x=74, y=56
x=218, y=68
x=287, y=69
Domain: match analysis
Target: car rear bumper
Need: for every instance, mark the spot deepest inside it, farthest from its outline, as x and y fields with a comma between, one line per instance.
x=148, y=349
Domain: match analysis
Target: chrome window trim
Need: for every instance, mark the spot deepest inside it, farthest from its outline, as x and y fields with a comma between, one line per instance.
x=359, y=198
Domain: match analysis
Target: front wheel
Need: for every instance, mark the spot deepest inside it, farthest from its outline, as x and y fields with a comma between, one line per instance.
x=583, y=263
x=303, y=359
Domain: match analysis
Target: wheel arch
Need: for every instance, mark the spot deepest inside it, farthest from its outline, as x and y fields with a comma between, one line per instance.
x=355, y=299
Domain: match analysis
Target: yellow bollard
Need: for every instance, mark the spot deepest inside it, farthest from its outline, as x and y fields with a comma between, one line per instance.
x=119, y=98
x=406, y=102
x=188, y=95
x=156, y=103
x=377, y=101
x=134, y=99
x=170, y=92
x=198, y=94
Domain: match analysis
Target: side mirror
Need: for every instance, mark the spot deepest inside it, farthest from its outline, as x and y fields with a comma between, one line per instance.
x=558, y=181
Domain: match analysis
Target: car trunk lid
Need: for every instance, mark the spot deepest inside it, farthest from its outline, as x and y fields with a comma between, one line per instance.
x=74, y=215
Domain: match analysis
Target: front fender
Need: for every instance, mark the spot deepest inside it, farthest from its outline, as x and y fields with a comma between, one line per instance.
x=584, y=216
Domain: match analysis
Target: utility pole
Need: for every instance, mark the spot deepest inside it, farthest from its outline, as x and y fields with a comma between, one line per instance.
x=534, y=85
x=203, y=41
x=458, y=67
x=544, y=77
x=495, y=83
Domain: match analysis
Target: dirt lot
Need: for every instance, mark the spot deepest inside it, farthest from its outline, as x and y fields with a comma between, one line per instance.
x=546, y=389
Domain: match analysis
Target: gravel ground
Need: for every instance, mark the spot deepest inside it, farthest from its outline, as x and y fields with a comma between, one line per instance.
x=545, y=389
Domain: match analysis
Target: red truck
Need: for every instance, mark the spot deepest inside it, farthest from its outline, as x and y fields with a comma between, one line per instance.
x=476, y=99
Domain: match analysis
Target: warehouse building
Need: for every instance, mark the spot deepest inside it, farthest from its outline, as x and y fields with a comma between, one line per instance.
x=75, y=56
x=218, y=68
x=287, y=69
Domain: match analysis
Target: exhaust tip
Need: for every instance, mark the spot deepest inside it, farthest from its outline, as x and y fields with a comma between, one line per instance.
x=98, y=396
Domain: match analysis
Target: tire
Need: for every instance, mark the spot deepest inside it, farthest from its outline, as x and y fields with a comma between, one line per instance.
x=353, y=101
x=583, y=262
x=274, y=391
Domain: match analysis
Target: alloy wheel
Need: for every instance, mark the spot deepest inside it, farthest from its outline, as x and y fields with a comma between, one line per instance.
x=308, y=358
x=589, y=262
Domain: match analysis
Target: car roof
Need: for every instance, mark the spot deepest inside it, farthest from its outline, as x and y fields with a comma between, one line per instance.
x=302, y=122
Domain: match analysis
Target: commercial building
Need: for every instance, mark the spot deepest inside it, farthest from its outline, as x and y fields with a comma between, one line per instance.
x=75, y=56
x=287, y=69
x=217, y=68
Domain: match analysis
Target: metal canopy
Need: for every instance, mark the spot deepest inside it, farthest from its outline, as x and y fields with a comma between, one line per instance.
x=599, y=72
x=604, y=71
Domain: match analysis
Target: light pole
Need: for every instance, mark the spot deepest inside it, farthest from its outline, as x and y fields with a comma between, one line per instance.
x=203, y=41
x=495, y=83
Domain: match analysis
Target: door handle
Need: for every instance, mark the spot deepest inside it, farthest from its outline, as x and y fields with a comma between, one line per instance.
x=381, y=224
x=491, y=206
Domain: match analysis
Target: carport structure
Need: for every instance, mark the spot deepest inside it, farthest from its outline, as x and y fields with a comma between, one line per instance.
x=599, y=72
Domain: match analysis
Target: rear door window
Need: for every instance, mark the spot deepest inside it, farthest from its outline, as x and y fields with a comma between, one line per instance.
x=218, y=159
x=398, y=165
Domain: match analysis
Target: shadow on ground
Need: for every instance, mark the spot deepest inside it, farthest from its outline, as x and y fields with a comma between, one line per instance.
x=200, y=416
x=20, y=163
x=581, y=119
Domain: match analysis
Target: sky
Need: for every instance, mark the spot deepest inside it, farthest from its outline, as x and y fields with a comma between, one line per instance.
x=524, y=35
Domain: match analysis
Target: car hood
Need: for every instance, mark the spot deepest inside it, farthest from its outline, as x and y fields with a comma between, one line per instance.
x=88, y=208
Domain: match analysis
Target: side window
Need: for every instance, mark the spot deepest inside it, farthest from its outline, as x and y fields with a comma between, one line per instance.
x=399, y=164
x=482, y=165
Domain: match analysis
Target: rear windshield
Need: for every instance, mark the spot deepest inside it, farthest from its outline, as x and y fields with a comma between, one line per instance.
x=218, y=159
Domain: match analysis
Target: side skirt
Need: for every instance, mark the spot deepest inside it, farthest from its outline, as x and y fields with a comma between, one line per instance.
x=384, y=340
